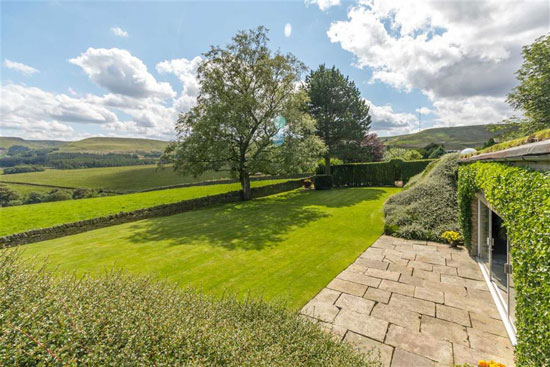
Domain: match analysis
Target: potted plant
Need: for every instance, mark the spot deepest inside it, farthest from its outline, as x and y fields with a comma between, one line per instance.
x=307, y=183
x=452, y=237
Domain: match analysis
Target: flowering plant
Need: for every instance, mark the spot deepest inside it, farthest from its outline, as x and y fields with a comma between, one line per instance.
x=490, y=363
x=452, y=237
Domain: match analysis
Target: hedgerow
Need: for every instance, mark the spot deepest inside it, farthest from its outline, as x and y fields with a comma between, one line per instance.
x=377, y=173
x=119, y=320
x=521, y=197
x=427, y=207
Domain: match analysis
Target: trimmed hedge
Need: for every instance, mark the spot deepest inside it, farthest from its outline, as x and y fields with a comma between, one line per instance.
x=121, y=320
x=427, y=207
x=322, y=182
x=377, y=173
x=522, y=198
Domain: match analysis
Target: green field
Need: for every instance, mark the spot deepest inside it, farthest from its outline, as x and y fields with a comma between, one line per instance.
x=456, y=138
x=23, y=190
x=21, y=218
x=285, y=246
x=90, y=145
x=120, y=179
x=114, y=145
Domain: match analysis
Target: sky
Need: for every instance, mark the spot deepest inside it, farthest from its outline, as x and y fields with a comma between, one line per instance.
x=75, y=69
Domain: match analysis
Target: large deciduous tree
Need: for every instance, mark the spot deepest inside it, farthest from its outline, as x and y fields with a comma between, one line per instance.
x=532, y=95
x=342, y=115
x=250, y=116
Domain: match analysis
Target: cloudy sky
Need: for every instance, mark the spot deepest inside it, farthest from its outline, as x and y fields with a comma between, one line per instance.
x=76, y=69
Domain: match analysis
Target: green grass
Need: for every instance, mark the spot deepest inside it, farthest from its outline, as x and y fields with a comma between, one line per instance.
x=26, y=217
x=286, y=246
x=23, y=190
x=458, y=137
x=6, y=142
x=120, y=179
x=114, y=145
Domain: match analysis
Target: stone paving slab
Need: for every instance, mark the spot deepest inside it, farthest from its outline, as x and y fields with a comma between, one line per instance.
x=413, y=303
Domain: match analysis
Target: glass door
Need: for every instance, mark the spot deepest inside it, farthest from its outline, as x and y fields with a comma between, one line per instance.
x=499, y=257
x=484, y=234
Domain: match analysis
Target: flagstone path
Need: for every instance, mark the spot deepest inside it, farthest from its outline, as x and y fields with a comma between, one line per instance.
x=418, y=303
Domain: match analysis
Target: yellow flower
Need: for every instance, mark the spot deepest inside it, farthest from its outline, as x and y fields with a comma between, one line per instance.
x=481, y=363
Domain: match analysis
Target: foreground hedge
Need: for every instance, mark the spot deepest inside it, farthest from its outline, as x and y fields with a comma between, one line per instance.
x=522, y=198
x=117, y=320
x=377, y=173
x=427, y=207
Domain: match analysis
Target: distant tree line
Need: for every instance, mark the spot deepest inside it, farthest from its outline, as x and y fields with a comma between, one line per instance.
x=19, y=155
x=9, y=197
x=22, y=169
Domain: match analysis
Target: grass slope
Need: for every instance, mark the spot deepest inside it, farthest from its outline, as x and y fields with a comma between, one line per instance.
x=428, y=205
x=455, y=138
x=6, y=142
x=114, y=145
x=26, y=217
x=120, y=179
x=285, y=246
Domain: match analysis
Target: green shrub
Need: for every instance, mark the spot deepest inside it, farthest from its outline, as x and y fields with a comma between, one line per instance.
x=58, y=195
x=377, y=173
x=22, y=169
x=428, y=207
x=322, y=182
x=118, y=320
x=320, y=170
x=521, y=197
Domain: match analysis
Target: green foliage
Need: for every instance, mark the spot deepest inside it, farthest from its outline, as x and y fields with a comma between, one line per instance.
x=34, y=198
x=322, y=182
x=531, y=95
x=82, y=193
x=57, y=195
x=401, y=153
x=429, y=207
x=245, y=91
x=521, y=197
x=537, y=136
x=342, y=115
x=376, y=173
x=436, y=153
x=17, y=149
x=7, y=195
x=22, y=169
x=27, y=217
x=120, y=320
x=321, y=164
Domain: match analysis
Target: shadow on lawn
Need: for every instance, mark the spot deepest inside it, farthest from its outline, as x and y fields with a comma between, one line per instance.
x=252, y=225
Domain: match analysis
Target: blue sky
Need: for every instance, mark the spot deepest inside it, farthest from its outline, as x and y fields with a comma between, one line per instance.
x=65, y=71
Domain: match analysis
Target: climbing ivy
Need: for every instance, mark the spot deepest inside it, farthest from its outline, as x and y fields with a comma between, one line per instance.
x=522, y=198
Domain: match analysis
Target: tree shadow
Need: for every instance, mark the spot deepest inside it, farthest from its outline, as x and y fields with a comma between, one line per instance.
x=252, y=225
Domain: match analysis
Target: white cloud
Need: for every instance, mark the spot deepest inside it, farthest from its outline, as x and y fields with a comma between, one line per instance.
x=288, y=30
x=22, y=68
x=323, y=4
x=121, y=73
x=461, y=54
x=117, y=31
x=385, y=121
x=185, y=70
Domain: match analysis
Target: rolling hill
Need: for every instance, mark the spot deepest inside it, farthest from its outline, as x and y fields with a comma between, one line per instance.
x=90, y=145
x=454, y=138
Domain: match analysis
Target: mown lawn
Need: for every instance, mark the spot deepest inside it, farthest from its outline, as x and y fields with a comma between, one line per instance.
x=285, y=247
x=25, y=217
x=120, y=179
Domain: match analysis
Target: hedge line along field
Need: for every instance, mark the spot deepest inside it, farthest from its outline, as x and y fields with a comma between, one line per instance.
x=281, y=247
x=26, y=217
x=119, y=179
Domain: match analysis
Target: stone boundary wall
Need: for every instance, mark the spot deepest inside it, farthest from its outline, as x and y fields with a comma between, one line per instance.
x=221, y=181
x=67, y=229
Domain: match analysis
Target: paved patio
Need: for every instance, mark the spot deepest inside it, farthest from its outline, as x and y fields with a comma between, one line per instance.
x=419, y=303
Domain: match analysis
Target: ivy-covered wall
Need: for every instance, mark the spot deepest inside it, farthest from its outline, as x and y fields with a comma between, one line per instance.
x=522, y=198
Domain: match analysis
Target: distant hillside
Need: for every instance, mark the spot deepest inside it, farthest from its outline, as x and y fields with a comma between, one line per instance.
x=454, y=138
x=90, y=145
x=6, y=142
x=114, y=145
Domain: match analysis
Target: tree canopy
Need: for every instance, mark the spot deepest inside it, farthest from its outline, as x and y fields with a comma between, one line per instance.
x=250, y=115
x=532, y=95
x=342, y=115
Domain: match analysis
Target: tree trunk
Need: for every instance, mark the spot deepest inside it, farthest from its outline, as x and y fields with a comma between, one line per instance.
x=246, y=193
x=327, y=165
